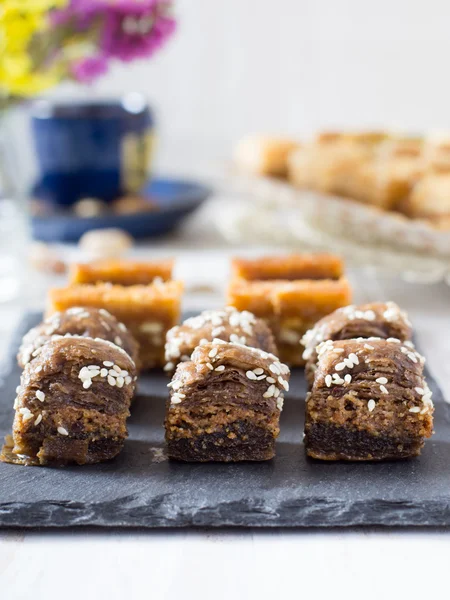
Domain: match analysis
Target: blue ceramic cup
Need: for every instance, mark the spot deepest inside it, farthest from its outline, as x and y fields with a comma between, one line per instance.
x=97, y=148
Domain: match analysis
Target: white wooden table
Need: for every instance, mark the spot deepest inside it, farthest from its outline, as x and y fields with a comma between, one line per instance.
x=241, y=564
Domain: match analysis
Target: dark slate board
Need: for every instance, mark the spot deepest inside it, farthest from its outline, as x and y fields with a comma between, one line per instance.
x=141, y=488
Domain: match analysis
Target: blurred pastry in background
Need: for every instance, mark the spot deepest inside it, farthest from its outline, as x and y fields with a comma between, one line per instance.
x=430, y=199
x=122, y=272
x=264, y=155
x=130, y=205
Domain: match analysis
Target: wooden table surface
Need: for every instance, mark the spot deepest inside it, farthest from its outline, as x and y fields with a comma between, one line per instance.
x=219, y=564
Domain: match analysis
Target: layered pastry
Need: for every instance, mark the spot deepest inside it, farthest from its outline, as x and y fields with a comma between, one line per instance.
x=430, y=199
x=264, y=155
x=72, y=403
x=377, y=319
x=291, y=294
x=225, y=404
x=81, y=321
x=148, y=311
x=228, y=324
x=369, y=401
x=121, y=272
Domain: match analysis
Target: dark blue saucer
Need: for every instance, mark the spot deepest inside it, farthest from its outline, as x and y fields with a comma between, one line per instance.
x=176, y=198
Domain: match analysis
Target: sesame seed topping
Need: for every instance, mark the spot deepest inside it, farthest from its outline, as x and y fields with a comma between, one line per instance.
x=275, y=369
x=108, y=363
x=62, y=431
x=340, y=366
x=250, y=375
x=104, y=373
x=38, y=419
x=169, y=366
x=352, y=356
x=414, y=409
x=128, y=380
x=120, y=381
x=368, y=347
x=271, y=380
x=210, y=367
x=371, y=405
x=220, y=368
x=87, y=384
x=394, y=340
x=40, y=395
x=38, y=369
x=383, y=389
x=111, y=381
x=270, y=391
x=328, y=380
x=258, y=371
x=381, y=380
x=213, y=352
x=348, y=378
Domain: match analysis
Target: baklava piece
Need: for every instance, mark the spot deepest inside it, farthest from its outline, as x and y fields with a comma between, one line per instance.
x=228, y=324
x=225, y=404
x=369, y=401
x=73, y=402
x=81, y=321
x=262, y=155
x=121, y=272
x=148, y=311
x=290, y=293
x=378, y=319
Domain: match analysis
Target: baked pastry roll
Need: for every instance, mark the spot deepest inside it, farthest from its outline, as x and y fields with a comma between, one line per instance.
x=264, y=155
x=377, y=319
x=81, y=321
x=225, y=404
x=369, y=401
x=290, y=293
x=73, y=402
x=148, y=311
x=121, y=272
x=228, y=324
x=430, y=199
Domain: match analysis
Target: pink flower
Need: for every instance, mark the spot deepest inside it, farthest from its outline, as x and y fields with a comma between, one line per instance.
x=88, y=69
x=125, y=30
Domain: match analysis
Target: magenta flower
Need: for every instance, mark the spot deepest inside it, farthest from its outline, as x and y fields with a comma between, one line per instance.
x=88, y=69
x=126, y=30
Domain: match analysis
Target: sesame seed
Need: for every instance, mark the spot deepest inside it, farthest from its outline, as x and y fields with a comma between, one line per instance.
x=275, y=369
x=383, y=389
x=392, y=339
x=270, y=380
x=104, y=312
x=38, y=369
x=62, y=431
x=355, y=360
x=328, y=380
x=348, y=378
x=338, y=350
x=210, y=367
x=258, y=371
x=261, y=377
x=340, y=366
x=213, y=352
x=381, y=380
x=128, y=380
x=220, y=368
x=412, y=357
x=40, y=395
x=280, y=402
x=111, y=381
x=104, y=373
x=117, y=340
x=117, y=369
x=250, y=375
x=108, y=363
x=270, y=391
x=122, y=327
x=87, y=383
x=338, y=381
x=368, y=347
x=120, y=381
x=38, y=419
x=371, y=405
x=169, y=366
x=348, y=363
x=18, y=389
x=414, y=409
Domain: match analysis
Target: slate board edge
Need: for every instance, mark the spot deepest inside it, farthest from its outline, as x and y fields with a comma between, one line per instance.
x=125, y=513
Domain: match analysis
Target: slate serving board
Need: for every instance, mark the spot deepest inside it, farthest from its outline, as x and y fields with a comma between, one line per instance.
x=141, y=488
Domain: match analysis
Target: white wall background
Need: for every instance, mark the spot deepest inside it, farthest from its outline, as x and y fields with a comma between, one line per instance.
x=293, y=66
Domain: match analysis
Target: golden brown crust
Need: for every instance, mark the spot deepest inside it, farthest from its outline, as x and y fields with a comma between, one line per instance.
x=122, y=272
x=264, y=155
x=148, y=311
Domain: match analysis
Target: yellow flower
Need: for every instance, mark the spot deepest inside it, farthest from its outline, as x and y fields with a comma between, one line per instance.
x=20, y=71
